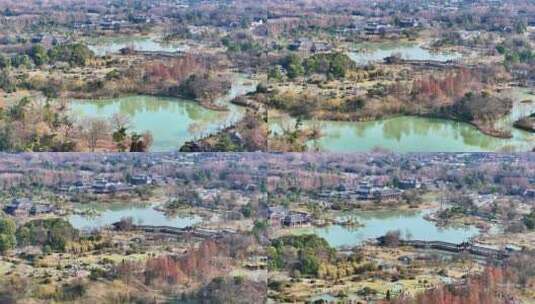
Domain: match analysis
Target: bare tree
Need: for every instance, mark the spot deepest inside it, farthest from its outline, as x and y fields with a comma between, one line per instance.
x=140, y=142
x=120, y=121
x=392, y=238
x=120, y=124
x=94, y=129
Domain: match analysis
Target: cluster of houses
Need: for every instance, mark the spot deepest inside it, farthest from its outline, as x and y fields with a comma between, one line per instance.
x=45, y=39
x=48, y=39
x=278, y=216
x=108, y=22
x=102, y=185
x=307, y=45
x=409, y=183
x=369, y=191
x=529, y=193
x=21, y=207
x=380, y=27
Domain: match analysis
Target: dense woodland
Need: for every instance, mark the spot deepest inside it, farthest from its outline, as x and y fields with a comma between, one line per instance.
x=253, y=220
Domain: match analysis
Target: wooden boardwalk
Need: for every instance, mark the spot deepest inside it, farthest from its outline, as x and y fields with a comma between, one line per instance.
x=434, y=64
x=458, y=248
x=189, y=231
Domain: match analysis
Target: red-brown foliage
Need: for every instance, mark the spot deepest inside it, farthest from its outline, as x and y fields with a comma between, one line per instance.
x=486, y=288
x=176, y=70
x=445, y=90
x=210, y=259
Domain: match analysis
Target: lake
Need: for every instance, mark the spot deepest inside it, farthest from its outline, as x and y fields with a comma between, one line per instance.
x=406, y=134
x=171, y=121
x=141, y=215
x=523, y=105
x=419, y=134
x=367, y=53
x=411, y=224
x=111, y=45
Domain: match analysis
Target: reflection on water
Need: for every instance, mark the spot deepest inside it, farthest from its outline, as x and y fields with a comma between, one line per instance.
x=523, y=105
x=141, y=215
x=110, y=45
x=171, y=121
x=375, y=52
x=408, y=134
x=412, y=225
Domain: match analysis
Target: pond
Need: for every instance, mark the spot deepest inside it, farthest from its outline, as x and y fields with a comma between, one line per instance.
x=171, y=121
x=406, y=134
x=367, y=53
x=111, y=45
x=523, y=105
x=411, y=224
x=141, y=215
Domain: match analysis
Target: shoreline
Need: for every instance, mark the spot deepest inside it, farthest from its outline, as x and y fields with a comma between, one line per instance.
x=204, y=145
x=526, y=123
x=90, y=98
x=493, y=133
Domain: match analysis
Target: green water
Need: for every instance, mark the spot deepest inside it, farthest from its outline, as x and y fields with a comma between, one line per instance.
x=523, y=105
x=111, y=45
x=407, y=134
x=365, y=53
x=412, y=225
x=418, y=134
x=141, y=215
x=171, y=121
